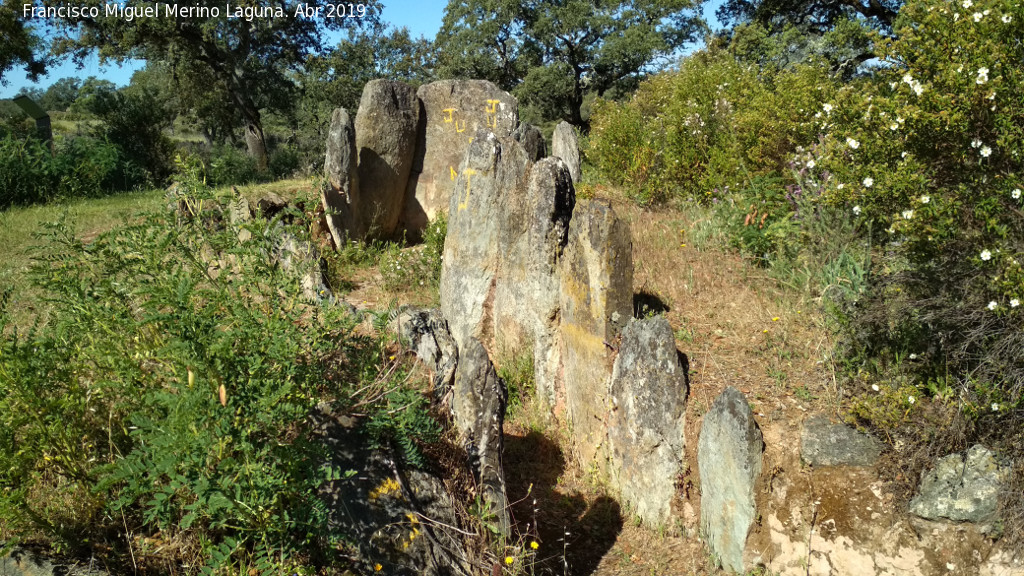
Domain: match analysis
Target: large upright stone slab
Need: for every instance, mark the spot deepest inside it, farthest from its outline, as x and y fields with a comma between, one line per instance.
x=645, y=430
x=729, y=456
x=341, y=191
x=565, y=144
x=478, y=406
x=596, y=301
x=532, y=140
x=532, y=239
x=454, y=111
x=386, y=126
x=493, y=168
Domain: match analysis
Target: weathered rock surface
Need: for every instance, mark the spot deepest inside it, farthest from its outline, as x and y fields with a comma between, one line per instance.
x=645, y=432
x=729, y=456
x=823, y=443
x=532, y=239
x=478, y=406
x=596, y=301
x=532, y=140
x=454, y=111
x=961, y=487
x=493, y=168
x=426, y=333
x=301, y=260
x=565, y=144
x=340, y=194
x=380, y=506
x=22, y=562
x=386, y=125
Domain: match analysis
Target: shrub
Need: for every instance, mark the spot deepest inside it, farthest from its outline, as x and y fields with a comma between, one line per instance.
x=169, y=398
x=229, y=165
x=417, y=267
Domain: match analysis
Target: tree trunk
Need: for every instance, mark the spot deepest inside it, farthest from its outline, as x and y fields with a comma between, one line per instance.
x=256, y=143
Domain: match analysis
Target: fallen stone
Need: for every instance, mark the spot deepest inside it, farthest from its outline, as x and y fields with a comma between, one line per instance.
x=565, y=144
x=426, y=333
x=478, y=407
x=493, y=168
x=729, y=457
x=823, y=443
x=301, y=261
x=453, y=112
x=532, y=140
x=23, y=562
x=596, y=301
x=386, y=125
x=645, y=431
x=270, y=204
x=962, y=487
x=531, y=242
x=340, y=193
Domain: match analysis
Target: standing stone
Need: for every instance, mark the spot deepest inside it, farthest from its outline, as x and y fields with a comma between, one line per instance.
x=426, y=333
x=454, y=111
x=493, y=168
x=533, y=237
x=478, y=407
x=729, y=456
x=386, y=125
x=341, y=191
x=596, y=301
x=566, y=145
x=961, y=487
x=645, y=432
x=532, y=140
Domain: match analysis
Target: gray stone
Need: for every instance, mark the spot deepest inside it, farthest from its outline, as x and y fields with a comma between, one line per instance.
x=645, y=431
x=301, y=261
x=823, y=443
x=532, y=140
x=565, y=144
x=453, y=112
x=534, y=233
x=596, y=301
x=961, y=487
x=270, y=204
x=386, y=126
x=340, y=193
x=377, y=505
x=493, y=167
x=22, y=562
x=426, y=333
x=729, y=457
x=478, y=407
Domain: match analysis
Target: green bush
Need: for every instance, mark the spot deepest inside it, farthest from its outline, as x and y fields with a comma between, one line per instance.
x=229, y=165
x=418, y=267
x=169, y=397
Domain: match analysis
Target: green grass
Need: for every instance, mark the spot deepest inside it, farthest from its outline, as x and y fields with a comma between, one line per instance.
x=20, y=228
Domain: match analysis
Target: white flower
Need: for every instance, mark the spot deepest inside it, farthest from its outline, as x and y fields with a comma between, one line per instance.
x=995, y=407
x=868, y=182
x=827, y=108
x=977, y=16
x=1014, y=303
x=840, y=186
x=985, y=151
x=986, y=12
x=810, y=163
x=1006, y=18
x=903, y=154
x=913, y=356
x=926, y=199
x=856, y=210
x=975, y=143
x=852, y=143
x=874, y=387
x=967, y=4
x=908, y=214
x=986, y=255
x=894, y=126
x=982, y=75
x=911, y=399
x=1015, y=194
x=908, y=78
x=956, y=17
x=993, y=305
x=900, y=119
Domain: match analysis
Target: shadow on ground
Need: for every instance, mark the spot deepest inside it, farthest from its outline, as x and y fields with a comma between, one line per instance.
x=568, y=527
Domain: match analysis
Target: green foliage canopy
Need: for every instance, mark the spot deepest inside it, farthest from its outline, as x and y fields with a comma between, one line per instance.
x=552, y=53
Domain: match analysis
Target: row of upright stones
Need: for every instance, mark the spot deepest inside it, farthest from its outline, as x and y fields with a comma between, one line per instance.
x=530, y=270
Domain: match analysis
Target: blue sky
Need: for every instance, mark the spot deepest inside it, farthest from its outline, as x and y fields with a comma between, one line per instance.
x=423, y=18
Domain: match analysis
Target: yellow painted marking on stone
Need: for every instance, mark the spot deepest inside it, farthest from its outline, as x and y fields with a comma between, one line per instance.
x=470, y=139
x=454, y=174
x=448, y=115
x=492, y=121
x=457, y=129
x=492, y=106
x=469, y=180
